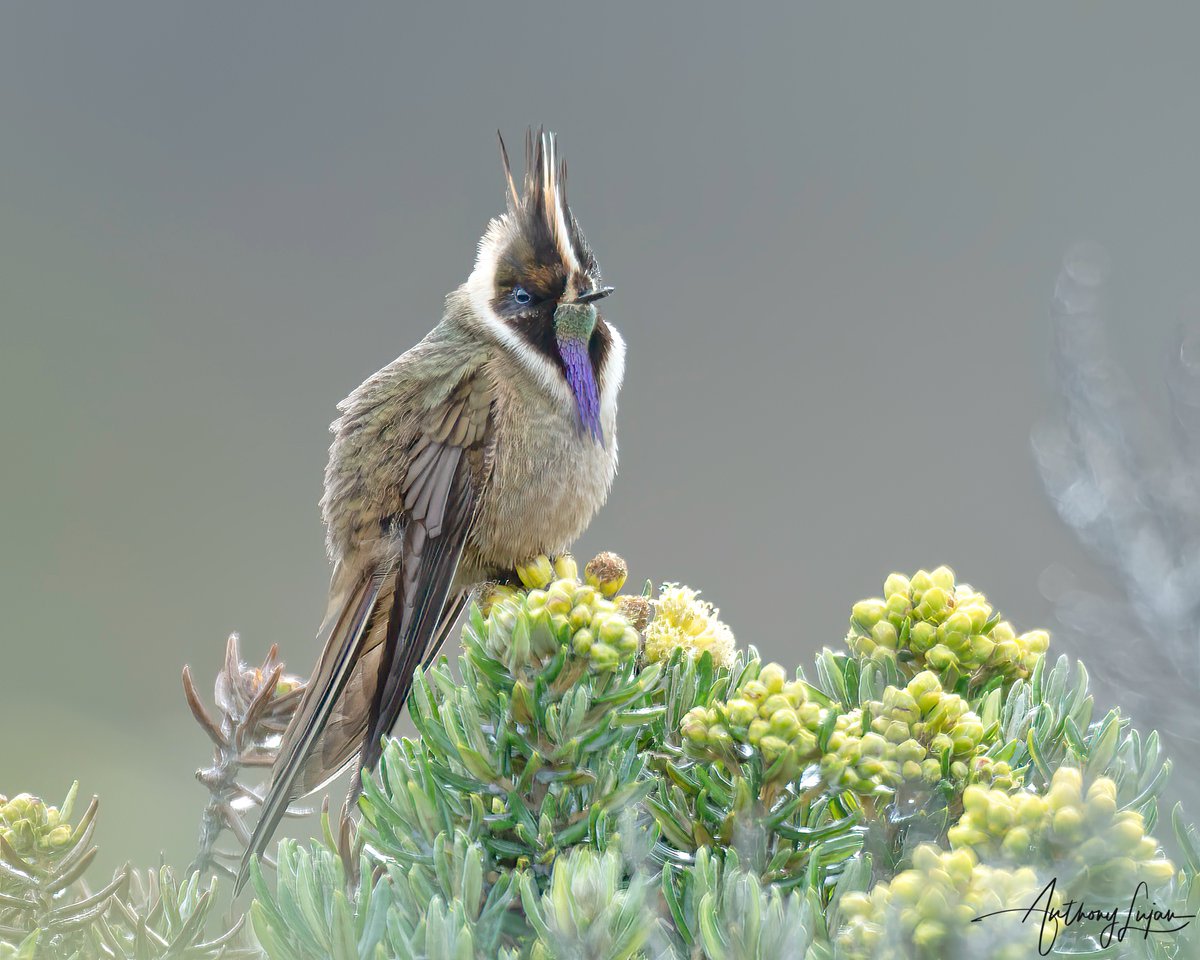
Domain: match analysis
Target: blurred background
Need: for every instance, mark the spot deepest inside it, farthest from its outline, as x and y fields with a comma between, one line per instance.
x=834, y=236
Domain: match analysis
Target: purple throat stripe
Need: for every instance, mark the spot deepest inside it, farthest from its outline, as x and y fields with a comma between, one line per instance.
x=582, y=379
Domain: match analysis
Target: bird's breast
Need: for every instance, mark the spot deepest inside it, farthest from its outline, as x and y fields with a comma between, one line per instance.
x=548, y=480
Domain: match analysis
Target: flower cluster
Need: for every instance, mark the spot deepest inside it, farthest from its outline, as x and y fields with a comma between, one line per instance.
x=683, y=621
x=35, y=830
x=558, y=610
x=932, y=622
x=993, y=773
x=1082, y=834
x=875, y=748
x=925, y=913
x=768, y=713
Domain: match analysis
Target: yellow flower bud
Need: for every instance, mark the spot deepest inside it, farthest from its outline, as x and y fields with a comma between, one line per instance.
x=565, y=567
x=895, y=731
x=559, y=600
x=754, y=691
x=884, y=635
x=604, y=657
x=897, y=608
x=612, y=629
x=943, y=577
x=999, y=817
x=584, y=595
x=59, y=837
x=1036, y=641
x=867, y=613
x=1030, y=809
x=1068, y=823
x=975, y=799
x=1017, y=842
x=928, y=933
x=1100, y=808
x=580, y=617
x=958, y=622
x=933, y=603
x=920, y=583
x=629, y=641
x=873, y=745
x=795, y=692
x=1127, y=833
x=1156, y=873
x=772, y=746
x=785, y=723
x=922, y=636
x=773, y=677
x=941, y=657
x=536, y=573
x=583, y=641
x=741, y=712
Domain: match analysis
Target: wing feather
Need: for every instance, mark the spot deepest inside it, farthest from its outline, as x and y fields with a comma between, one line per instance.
x=435, y=533
x=339, y=656
x=394, y=619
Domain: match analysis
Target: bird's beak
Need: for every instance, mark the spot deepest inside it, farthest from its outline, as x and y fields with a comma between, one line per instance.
x=594, y=295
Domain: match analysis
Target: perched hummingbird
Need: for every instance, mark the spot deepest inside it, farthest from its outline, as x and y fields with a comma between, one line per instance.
x=491, y=441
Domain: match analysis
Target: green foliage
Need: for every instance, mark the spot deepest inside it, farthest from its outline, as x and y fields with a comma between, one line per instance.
x=573, y=794
x=728, y=913
x=47, y=909
x=684, y=805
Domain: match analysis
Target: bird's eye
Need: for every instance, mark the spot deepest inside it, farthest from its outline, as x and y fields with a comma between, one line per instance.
x=521, y=295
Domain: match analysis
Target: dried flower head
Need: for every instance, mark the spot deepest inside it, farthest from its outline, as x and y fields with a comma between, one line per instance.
x=606, y=572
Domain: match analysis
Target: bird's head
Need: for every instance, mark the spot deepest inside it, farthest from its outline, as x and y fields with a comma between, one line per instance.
x=537, y=281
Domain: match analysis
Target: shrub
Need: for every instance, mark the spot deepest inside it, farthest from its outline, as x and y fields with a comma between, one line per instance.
x=592, y=781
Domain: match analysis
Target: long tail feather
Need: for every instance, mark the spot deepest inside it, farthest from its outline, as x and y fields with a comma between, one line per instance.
x=344, y=641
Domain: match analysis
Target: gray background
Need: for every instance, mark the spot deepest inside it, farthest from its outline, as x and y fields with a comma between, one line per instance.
x=833, y=234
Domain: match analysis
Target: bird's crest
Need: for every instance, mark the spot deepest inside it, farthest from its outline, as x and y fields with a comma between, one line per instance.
x=541, y=206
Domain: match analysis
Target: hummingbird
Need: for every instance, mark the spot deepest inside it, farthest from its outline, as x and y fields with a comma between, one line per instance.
x=490, y=442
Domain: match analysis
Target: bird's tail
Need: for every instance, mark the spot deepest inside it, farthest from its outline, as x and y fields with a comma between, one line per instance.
x=345, y=633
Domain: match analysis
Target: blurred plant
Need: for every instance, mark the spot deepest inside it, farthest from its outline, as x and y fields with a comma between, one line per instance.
x=255, y=705
x=724, y=912
x=1129, y=487
x=569, y=796
x=42, y=857
x=924, y=912
x=1096, y=849
x=47, y=909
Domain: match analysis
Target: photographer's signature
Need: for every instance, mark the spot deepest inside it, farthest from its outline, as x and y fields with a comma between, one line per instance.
x=1137, y=917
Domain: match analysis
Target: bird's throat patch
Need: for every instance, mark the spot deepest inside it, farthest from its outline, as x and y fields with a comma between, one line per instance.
x=573, y=327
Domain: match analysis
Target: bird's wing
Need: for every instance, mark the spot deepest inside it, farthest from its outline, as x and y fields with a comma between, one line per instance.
x=395, y=611
x=441, y=501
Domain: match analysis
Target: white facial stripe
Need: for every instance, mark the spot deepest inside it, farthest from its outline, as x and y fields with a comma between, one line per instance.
x=562, y=236
x=544, y=373
x=480, y=289
x=610, y=379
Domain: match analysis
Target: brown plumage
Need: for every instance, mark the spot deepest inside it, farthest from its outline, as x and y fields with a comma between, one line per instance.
x=457, y=461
